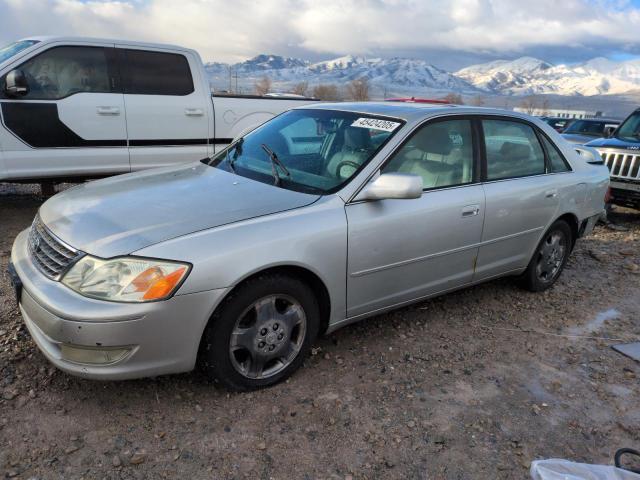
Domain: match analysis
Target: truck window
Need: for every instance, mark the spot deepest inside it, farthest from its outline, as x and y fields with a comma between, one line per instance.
x=63, y=71
x=156, y=73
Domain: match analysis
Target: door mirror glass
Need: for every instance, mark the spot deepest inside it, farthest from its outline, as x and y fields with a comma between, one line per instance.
x=392, y=186
x=608, y=131
x=15, y=84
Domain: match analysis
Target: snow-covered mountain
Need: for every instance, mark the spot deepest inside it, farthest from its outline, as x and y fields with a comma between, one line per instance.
x=390, y=74
x=526, y=76
x=404, y=76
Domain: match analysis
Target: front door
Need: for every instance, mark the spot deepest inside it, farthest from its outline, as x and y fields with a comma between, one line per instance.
x=72, y=120
x=402, y=250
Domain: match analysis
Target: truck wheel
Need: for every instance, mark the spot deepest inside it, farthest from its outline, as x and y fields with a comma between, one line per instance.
x=549, y=258
x=261, y=333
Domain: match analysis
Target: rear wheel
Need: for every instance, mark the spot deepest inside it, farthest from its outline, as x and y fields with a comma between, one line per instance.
x=261, y=333
x=549, y=258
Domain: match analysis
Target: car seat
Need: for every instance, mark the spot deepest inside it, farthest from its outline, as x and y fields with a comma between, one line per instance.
x=356, y=149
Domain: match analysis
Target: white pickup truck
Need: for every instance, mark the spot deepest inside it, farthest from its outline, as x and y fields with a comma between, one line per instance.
x=86, y=108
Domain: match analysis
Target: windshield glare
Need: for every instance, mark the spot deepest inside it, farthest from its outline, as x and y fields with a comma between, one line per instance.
x=320, y=150
x=14, y=48
x=630, y=128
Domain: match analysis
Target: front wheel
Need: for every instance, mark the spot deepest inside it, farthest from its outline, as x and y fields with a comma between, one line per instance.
x=549, y=258
x=261, y=333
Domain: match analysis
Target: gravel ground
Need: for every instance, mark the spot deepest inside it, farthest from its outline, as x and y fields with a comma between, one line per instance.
x=472, y=385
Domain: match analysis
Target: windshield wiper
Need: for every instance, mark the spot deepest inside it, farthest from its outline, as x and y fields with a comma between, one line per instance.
x=275, y=163
x=237, y=151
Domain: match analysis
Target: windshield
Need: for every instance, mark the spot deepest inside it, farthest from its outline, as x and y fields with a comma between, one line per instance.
x=630, y=128
x=314, y=151
x=588, y=127
x=12, y=49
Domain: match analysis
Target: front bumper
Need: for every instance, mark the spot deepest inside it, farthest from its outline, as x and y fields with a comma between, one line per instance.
x=625, y=194
x=158, y=337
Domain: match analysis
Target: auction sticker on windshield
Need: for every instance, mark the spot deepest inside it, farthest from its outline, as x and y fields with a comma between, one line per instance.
x=376, y=124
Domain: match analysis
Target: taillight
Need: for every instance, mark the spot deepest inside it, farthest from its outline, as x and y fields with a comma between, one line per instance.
x=607, y=196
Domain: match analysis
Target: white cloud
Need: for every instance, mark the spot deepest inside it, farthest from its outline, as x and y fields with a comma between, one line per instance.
x=228, y=31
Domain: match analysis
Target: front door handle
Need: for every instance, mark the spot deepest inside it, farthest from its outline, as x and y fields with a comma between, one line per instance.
x=471, y=210
x=551, y=193
x=108, y=110
x=193, y=112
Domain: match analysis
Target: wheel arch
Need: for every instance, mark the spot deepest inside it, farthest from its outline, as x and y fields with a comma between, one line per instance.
x=572, y=220
x=311, y=278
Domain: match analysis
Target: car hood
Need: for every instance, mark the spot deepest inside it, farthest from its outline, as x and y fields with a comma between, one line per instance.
x=577, y=138
x=120, y=215
x=614, y=142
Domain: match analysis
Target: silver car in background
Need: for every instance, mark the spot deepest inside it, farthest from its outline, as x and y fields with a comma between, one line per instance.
x=323, y=216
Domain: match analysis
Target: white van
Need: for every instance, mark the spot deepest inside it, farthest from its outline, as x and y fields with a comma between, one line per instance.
x=85, y=108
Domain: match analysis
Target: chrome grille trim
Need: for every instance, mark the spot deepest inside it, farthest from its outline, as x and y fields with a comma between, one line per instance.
x=622, y=164
x=50, y=254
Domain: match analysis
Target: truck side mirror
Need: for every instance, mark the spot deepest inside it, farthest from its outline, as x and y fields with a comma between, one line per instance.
x=15, y=84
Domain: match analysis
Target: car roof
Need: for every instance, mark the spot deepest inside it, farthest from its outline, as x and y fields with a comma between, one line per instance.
x=80, y=39
x=411, y=111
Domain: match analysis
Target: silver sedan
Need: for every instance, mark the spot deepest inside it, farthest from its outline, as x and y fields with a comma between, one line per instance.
x=321, y=217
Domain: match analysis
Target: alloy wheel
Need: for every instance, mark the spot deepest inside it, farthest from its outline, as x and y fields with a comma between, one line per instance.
x=268, y=336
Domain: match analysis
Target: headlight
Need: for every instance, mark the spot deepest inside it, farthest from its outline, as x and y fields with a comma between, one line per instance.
x=125, y=279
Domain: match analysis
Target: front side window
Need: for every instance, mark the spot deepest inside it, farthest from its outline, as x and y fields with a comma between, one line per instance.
x=314, y=151
x=513, y=150
x=63, y=71
x=441, y=153
x=14, y=48
x=156, y=73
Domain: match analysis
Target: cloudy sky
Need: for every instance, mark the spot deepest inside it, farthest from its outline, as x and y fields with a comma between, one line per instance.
x=450, y=34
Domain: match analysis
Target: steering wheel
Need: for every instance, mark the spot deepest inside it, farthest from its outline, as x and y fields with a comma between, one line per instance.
x=345, y=163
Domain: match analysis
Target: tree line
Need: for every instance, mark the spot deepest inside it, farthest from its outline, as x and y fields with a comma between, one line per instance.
x=359, y=90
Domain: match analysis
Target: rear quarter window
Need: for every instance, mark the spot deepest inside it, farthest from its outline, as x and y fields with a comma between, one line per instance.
x=156, y=73
x=557, y=162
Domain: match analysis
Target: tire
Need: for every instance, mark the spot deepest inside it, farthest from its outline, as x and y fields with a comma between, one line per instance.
x=272, y=320
x=545, y=266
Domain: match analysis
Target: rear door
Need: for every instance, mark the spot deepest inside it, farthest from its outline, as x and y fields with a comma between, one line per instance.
x=71, y=122
x=167, y=109
x=521, y=196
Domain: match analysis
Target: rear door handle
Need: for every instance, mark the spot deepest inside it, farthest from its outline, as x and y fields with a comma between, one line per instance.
x=193, y=112
x=471, y=210
x=108, y=110
x=551, y=193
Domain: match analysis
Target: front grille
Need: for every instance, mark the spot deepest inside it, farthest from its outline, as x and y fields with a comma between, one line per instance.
x=51, y=255
x=622, y=165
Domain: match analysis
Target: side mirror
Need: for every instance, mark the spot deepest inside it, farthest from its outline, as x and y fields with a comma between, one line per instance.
x=608, y=131
x=392, y=185
x=16, y=84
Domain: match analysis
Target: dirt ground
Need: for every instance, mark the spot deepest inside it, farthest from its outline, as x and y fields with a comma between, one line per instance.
x=472, y=385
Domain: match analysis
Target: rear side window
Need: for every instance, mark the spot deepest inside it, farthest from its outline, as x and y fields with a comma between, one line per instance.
x=64, y=71
x=156, y=73
x=513, y=150
x=557, y=163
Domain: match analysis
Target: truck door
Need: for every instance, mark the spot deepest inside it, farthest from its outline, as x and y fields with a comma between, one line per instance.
x=71, y=120
x=167, y=108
